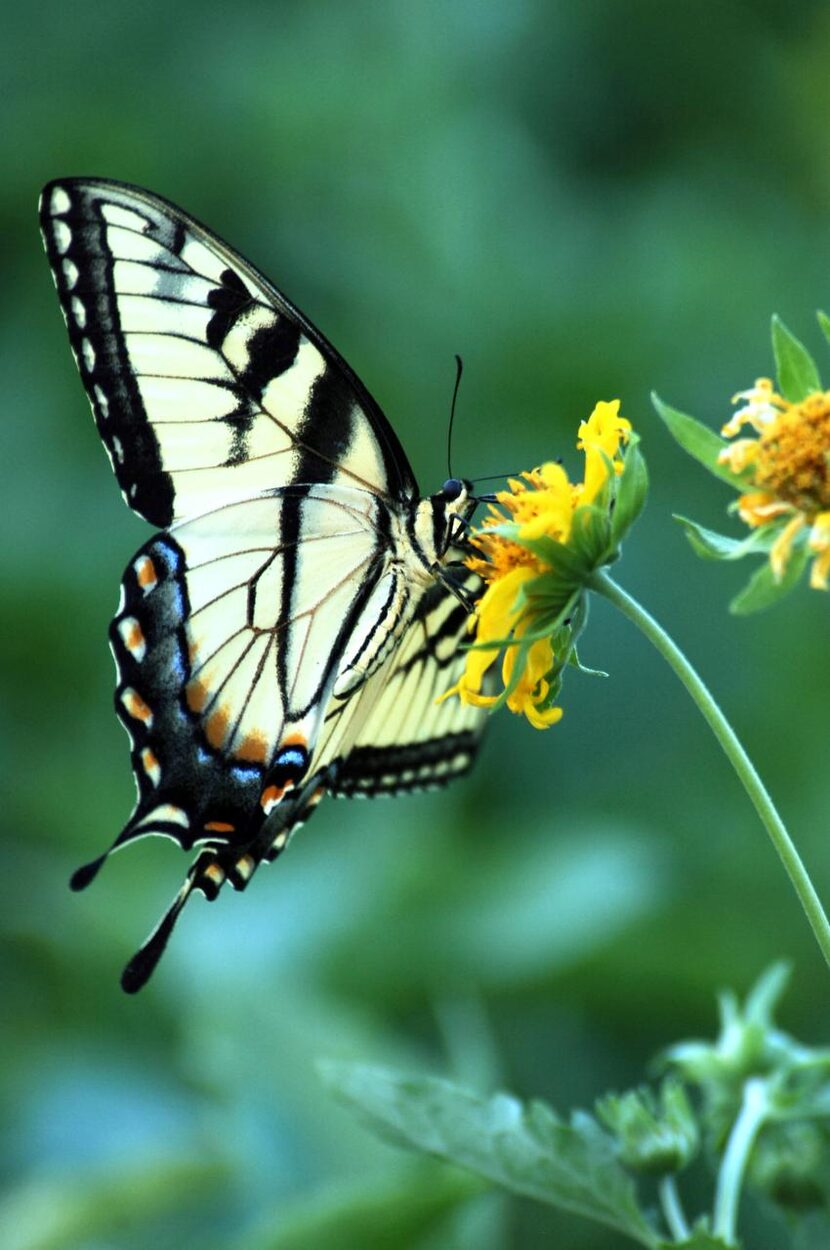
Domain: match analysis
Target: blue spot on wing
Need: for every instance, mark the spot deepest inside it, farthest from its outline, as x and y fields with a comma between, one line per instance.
x=292, y=757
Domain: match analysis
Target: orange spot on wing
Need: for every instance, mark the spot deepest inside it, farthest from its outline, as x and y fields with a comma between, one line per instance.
x=149, y=760
x=135, y=638
x=252, y=748
x=136, y=707
x=145, y=572
x=295, y=740
x=271, y=795
x=216, y=727
x=215, y=874
x=245, y=867
x=196, y=695
x=218, y=826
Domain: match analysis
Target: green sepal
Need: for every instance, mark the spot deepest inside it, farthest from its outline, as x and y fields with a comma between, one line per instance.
x=701, y=443
x=631, y=492
x=763, y=591
x=713, y=546
x=590, y=534
x=575, y=662
x=797, y=372
x=525, y=1148
x=564, y=562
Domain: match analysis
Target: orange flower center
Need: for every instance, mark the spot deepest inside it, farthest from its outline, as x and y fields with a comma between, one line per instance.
x=792, y=458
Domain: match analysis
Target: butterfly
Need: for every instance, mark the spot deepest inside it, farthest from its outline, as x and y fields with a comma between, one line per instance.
x=287, y=633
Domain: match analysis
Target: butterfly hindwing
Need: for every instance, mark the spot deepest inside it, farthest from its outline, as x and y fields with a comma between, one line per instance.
x=206, y=383
x=231, y=632
x=401, y=735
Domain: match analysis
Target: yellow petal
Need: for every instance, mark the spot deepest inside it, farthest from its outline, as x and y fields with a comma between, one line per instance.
x=759, y=507
x=820, y=532
x=819, y=542
x=496, y=612
x=781, y=550
x=600, y=437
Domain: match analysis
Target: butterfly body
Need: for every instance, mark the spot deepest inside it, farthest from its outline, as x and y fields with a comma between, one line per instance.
x=289, y=630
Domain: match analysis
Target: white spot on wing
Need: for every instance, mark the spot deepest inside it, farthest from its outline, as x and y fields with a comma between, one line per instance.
x=102, y=401
x=60, y=202
x=70, y=273
x=62, y=235
x=88, y=352
x=166, y=813
x=78, y=311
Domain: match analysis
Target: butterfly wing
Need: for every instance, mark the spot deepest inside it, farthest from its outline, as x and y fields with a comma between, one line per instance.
x=270, y=646
x=206, y=383
x=396, y=735
x=232, y=631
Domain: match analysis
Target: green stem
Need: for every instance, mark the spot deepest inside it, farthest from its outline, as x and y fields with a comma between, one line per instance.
x=735, y=753
x=673, y=1209
x=730, y=1178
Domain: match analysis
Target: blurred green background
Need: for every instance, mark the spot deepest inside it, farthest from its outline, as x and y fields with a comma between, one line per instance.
x=586, y=201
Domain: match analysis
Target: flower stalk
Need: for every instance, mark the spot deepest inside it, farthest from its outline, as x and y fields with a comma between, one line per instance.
x=754, y=1110
x=602, y=584
x=673, y=1209
x=548, y=543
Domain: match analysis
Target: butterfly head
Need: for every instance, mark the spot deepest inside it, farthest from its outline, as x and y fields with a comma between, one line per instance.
x=438, y=523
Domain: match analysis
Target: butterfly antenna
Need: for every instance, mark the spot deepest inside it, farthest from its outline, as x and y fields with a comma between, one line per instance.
x=459, y=369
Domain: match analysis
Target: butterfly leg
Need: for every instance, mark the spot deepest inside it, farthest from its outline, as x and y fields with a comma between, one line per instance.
x=440, y=572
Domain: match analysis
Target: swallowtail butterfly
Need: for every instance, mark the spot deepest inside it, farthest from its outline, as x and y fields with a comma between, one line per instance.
x=287, y=632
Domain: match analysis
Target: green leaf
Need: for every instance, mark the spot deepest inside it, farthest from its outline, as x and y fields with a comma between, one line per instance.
x=824, y=322
x=525, y=1148
x=703, y=444
x=632, y=489
x=797, y=372
x=713, y=546
x=763, y=591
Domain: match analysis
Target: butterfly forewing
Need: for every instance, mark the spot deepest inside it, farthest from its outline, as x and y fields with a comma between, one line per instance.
x=206, y=383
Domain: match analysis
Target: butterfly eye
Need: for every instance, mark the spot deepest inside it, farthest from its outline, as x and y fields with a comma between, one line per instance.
x=452, y=488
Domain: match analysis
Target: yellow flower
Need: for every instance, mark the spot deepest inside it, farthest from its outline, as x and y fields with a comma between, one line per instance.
x=788, y=467
x=539, y=504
